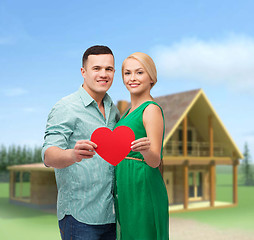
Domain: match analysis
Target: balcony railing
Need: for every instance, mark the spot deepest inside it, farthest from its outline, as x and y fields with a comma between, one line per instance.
x=195, y=149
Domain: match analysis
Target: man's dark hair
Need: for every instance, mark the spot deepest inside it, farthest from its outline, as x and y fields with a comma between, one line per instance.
x=95, y=50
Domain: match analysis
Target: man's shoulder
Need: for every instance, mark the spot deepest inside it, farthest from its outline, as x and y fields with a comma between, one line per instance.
x=69, y=99
x=66, y=103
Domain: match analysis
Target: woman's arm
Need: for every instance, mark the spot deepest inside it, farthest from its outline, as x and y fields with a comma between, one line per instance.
x=150, y=146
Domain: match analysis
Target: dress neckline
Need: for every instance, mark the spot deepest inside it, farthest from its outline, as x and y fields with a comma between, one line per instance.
x=127, y=113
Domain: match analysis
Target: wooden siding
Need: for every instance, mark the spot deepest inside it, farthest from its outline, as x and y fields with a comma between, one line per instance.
x=43, y=188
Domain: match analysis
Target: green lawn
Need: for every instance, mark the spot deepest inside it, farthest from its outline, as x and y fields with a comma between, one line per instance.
x=240, y=217
x=22, y=223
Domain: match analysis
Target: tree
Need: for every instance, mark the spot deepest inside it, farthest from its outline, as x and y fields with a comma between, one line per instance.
x=23, y=155
x=248, y=178
x=37, y=154
x=3, y=158
x=12, y=155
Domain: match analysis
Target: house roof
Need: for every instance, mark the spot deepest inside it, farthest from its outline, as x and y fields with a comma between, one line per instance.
x=32, y=166
x=174, y=107
x=177, y=106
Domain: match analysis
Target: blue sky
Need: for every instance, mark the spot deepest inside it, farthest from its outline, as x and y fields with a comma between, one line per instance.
x=195, y=44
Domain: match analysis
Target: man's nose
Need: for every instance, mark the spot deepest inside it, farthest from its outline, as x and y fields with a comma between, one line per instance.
x=103, y=72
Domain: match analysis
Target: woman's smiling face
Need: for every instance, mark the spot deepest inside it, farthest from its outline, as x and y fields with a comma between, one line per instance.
x=135, y=77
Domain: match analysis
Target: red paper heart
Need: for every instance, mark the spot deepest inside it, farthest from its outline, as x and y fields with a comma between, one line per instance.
x=114, y=146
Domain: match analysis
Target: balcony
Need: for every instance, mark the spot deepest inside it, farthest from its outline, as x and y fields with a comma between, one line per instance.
x=195, y=149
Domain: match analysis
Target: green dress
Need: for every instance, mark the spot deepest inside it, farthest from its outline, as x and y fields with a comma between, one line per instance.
x=141, y=195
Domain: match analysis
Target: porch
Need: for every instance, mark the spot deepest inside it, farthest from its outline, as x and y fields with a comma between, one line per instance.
x=194, y=148
x=199, y=205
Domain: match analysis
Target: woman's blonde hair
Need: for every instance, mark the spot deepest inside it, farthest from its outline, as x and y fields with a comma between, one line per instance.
x=147, y=63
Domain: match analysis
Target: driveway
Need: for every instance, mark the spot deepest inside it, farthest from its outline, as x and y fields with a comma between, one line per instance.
x=183, y=229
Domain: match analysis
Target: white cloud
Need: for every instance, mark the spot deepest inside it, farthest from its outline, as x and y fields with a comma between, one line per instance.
x=13, y=92
x=229, y=62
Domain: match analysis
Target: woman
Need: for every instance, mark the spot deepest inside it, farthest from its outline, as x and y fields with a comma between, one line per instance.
x=141, y=196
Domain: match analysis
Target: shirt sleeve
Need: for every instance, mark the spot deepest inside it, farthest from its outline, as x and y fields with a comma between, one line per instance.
x=59, y=128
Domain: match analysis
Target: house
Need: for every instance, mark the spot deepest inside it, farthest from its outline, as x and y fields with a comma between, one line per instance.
x=195, y=142
x=33, y=185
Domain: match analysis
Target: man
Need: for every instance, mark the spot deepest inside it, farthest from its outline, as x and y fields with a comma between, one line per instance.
x=85, y=207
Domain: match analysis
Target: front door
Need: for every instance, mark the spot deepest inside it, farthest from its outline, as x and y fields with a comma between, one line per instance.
x=168, y=178
x=195, y=185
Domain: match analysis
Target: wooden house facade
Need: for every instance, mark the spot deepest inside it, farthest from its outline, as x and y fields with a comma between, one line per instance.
x=33, y=185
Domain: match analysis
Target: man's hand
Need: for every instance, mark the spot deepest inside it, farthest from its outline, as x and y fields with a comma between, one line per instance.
x=60, y=158
x=83, y=149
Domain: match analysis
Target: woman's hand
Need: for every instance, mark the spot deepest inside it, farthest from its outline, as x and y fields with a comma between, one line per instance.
x=141, y=145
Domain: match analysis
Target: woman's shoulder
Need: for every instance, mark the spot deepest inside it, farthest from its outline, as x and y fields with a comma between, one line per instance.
x=153, y=113
x=153, y=107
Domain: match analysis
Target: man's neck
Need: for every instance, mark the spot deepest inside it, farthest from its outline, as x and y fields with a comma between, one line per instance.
x=98, y=98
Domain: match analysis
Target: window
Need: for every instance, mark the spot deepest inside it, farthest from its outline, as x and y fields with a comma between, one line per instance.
x=21, y=186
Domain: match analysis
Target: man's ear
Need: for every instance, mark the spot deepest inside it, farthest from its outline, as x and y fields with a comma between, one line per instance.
x=83, y=72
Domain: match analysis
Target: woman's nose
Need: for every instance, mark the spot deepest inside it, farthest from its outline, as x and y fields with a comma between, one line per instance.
x=132, y=77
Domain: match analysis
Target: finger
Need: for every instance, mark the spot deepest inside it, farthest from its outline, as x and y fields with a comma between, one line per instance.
x=85, y=153
x=88, y=142
x=145, y=139
x=85, y=156
x=80, y=157
x=84, y=146
x=140, y=144
x=139, y=149
x=92, y=144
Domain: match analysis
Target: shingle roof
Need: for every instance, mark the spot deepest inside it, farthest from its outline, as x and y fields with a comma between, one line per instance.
x=174, y=105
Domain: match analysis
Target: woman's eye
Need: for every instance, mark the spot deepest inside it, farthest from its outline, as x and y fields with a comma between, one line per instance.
x=140, y=72
x=126, y=73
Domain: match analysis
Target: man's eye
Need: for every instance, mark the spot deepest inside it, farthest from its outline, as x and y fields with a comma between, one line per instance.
x=96, y=69
x=109, y=69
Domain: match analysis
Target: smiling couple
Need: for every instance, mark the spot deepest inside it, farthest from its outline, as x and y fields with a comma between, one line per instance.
x=93, y=196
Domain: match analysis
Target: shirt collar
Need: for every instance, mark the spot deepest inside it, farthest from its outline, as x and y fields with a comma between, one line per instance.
x=87, y=99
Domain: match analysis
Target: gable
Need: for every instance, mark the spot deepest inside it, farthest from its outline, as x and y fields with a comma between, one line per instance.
x=174, y=107
x=195, y=105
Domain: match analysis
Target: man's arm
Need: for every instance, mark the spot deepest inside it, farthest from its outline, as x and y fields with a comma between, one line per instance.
x=56, y=151
x=60, y=158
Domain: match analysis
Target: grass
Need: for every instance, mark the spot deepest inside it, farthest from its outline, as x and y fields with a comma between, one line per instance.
x=240, y=217
x=23, y=223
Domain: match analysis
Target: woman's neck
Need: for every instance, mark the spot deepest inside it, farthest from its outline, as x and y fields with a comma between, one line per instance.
x=137, y=100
